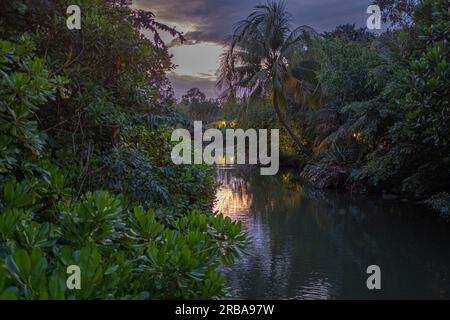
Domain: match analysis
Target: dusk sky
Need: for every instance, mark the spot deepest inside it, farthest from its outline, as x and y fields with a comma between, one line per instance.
x=206, y=23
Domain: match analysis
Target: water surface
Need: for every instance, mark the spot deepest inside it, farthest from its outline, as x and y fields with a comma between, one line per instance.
x=310, y=244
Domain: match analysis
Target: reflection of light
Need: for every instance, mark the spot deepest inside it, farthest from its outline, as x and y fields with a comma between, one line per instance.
x=233, y=199
x=232, y=203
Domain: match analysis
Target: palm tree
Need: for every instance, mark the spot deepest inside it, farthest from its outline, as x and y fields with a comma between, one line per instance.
x=257, y=60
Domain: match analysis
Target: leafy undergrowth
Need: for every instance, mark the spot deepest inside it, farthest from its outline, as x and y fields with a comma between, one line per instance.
x=85, y=172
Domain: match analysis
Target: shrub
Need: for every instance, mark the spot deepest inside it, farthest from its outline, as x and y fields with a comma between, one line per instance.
x=133, y=244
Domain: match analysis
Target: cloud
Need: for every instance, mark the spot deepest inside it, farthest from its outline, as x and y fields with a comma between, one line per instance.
x=214, y=20
x=209, y=20
x=200, y=60
x=207, y=23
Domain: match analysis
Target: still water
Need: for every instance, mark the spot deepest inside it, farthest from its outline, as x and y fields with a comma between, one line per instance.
x=310, y=244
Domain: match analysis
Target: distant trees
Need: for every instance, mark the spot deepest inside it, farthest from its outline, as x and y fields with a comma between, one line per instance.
x=193, y=95
x=197, y=107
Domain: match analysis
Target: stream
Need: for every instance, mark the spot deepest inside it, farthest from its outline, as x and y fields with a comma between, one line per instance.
x=313, y=244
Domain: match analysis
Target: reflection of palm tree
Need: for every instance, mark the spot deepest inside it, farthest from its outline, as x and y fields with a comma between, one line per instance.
x=257, y=61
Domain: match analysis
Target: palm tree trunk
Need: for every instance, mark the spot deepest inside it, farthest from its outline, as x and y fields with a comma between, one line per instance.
x=297, y=141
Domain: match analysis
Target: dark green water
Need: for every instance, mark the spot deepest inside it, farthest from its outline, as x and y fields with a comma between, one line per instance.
x=309, y=244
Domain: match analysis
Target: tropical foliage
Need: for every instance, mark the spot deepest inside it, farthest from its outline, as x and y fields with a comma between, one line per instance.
x=375, y=108
x=85, y=171
x=257, y=61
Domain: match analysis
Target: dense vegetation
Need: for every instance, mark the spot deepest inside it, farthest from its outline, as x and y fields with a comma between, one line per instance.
x=373, y=110
x=85, y=171
x=86, y=116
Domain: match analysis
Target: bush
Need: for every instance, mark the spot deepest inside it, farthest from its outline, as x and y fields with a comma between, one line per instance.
x=123, y=251
x=63, y=143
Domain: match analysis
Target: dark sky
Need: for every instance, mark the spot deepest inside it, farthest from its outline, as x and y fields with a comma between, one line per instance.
x=211, y=21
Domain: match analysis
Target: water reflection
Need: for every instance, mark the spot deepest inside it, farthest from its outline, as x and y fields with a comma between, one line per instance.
x=233, y=198
x=309, y=244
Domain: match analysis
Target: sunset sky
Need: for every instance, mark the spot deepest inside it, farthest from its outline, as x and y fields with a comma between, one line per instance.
x=206, y=23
